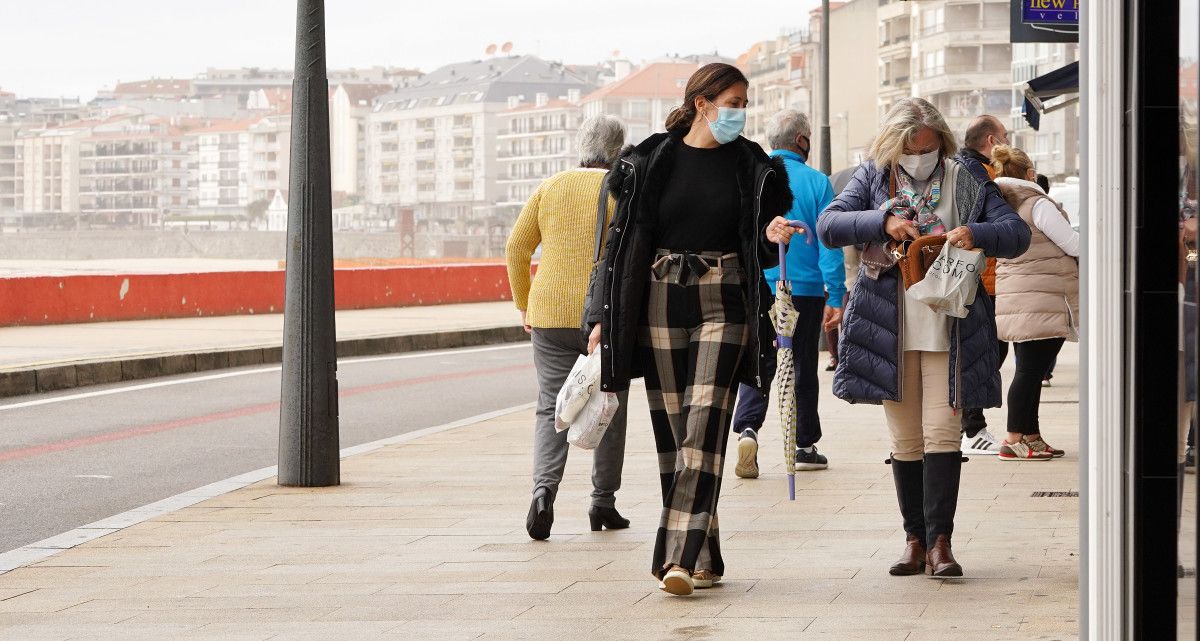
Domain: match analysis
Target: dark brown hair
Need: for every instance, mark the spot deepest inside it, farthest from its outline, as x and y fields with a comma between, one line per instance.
x=708, y=82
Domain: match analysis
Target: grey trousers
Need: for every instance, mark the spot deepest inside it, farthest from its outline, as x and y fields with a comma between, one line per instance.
x=554, y=353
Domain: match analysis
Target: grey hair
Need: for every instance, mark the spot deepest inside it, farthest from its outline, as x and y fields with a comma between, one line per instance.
x=600, y=140
x=785, y=126
x=903, y=121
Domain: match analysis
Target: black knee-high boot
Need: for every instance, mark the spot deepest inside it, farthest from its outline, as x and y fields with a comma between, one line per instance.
x=942, y=473
x=909, y=477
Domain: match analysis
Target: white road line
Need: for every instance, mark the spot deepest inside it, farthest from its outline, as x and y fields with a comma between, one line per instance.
x=41, y=550
x=249, y=372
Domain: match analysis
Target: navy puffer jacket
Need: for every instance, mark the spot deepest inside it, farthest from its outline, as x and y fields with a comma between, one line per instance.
x=869, y=349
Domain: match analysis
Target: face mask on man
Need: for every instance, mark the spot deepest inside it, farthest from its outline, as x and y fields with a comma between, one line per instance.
x=803, y=149
x=920, y=166
x=729, y=124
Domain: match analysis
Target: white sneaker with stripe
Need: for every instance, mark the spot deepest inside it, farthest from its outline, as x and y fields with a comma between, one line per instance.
x=982, y=444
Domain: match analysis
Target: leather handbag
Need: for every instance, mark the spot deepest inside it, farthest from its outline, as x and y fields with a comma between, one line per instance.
x=917, y=256
x=914, y=257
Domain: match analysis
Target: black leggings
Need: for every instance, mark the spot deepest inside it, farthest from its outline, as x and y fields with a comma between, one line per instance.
x=1034, y=359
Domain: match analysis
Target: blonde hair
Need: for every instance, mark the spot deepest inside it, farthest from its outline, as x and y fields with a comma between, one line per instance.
x=1011, y=162
x=904, y=121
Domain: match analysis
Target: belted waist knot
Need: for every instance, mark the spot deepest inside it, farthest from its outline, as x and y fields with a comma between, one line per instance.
x=690, y=263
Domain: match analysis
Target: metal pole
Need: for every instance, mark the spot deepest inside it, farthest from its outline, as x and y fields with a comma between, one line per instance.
x=826, y=158
x=308, y=415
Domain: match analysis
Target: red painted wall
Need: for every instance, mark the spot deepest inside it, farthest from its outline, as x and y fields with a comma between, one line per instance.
x=48, y=300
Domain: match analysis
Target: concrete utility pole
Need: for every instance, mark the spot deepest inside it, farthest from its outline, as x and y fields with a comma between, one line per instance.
x=826, y=157
x=308, y=414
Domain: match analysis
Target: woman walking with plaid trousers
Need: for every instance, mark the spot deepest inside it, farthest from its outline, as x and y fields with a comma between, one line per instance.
x=676, y=300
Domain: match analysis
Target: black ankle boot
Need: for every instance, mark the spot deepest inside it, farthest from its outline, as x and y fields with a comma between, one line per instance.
x=910, y=492
x=942, y=473
x=541, y=515
x=606, y=517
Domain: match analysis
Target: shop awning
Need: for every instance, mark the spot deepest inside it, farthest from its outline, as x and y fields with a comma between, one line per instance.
x=1050, y=92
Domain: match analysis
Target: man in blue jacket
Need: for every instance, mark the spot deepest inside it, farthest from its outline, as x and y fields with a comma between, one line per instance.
x=818, y=278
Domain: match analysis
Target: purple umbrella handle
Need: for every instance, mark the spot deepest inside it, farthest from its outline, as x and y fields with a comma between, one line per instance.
x=808, y=238
x=792, y=486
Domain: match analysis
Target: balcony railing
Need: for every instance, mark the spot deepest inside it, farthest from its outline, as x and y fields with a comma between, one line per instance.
x=964, y=25
x=954, y=70
x=530, y=131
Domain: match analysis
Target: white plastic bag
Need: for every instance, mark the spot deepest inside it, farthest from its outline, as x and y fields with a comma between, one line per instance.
x=950, y=285
x=576, y=390
x=592, y=422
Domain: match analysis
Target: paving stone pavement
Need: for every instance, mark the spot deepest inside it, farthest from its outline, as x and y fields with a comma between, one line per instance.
x=425, y=540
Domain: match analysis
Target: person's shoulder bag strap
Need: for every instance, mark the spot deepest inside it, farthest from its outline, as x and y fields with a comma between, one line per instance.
x=601, y=218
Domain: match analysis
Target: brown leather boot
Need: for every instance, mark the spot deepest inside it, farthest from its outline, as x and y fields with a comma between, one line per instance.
x=941, y=560
x=912, y=561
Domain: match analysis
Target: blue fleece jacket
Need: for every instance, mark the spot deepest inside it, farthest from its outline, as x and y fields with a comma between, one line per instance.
x=812, y=268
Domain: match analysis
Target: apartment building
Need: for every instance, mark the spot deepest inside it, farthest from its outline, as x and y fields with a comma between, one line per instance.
x=1054, y=147
x=432, y=150
x=963, y=58
x=153, y=88
x=133, y=172
x=784, y=73
x=780, y=72
x=220, y=169
x=241, y=82
x=270, y=146
x=897, y=44
x=535, y=141
x=853, y=104
x=350, y=106
x=643, y=98
x=49, y=170
x=12, y=193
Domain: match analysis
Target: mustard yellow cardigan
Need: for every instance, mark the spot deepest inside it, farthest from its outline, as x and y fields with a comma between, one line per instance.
x=561, y=217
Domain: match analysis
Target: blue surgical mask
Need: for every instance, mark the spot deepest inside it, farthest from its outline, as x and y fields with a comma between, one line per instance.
x=729, y=124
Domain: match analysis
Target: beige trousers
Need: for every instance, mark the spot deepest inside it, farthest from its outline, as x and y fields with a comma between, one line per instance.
x=923, y=421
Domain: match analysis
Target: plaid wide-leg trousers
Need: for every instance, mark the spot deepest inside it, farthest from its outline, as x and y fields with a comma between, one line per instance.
x=695, y=330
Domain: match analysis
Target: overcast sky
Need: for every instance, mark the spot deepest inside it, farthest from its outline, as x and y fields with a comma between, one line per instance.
x=74, y=47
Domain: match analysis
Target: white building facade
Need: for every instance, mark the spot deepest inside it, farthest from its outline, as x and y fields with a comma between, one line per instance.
x=432, y=150
x=535, y=141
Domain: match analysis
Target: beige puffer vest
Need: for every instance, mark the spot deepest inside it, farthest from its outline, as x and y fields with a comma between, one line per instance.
x=1037, y=293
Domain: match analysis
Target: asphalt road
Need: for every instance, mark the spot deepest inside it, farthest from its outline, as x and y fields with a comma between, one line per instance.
x=69, y=459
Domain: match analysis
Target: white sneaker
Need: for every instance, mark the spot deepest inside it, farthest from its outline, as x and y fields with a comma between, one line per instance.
x=747, y=465
x=983, y=444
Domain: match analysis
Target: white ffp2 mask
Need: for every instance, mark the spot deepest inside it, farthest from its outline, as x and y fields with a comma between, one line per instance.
x=920, y=166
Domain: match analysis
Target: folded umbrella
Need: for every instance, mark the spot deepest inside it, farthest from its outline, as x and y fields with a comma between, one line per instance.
x=783, y=317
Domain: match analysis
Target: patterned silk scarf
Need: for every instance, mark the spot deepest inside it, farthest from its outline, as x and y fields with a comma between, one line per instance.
x=907, y=205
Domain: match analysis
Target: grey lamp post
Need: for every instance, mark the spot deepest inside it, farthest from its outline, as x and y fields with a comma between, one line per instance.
x=826, y=158
x=308, y=414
